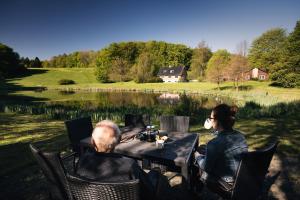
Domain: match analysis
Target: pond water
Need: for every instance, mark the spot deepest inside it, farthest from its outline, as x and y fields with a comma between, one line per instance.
x=111, y=105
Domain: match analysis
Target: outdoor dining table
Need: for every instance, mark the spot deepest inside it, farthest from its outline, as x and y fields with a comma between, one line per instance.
x=177, y=152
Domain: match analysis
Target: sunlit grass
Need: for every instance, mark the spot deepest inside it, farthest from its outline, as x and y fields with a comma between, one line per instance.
x=259, y=92
x=20, y=171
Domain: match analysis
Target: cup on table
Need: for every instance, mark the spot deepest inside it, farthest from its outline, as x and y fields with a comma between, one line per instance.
x=160, y=144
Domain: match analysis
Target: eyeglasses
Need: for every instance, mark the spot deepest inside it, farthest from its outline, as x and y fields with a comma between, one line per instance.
x=210, y=117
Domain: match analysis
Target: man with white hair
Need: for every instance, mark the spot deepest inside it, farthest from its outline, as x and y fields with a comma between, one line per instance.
x=102, y=165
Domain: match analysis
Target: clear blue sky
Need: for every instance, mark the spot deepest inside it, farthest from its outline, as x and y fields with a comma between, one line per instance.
x=46, y=28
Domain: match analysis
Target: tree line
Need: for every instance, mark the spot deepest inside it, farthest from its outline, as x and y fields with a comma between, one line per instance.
x=275, y=52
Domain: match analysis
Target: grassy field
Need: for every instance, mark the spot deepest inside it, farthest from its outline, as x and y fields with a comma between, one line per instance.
x=20, y=177
x=19, y=174
x=259, y=92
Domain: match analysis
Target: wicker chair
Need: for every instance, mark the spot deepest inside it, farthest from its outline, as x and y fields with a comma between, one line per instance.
x=52, y=168
x=250, y=175
x=175, y=123
x=64, y=185
x=88, y=190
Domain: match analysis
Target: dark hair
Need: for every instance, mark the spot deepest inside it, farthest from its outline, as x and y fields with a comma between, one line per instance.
x=225, y=115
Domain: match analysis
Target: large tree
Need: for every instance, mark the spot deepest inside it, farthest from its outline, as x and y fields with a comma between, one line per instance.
x=200, y=58
x=36, y=63
x=10, y=64
x=287, y=72
x=267, y=50
x=217, y=65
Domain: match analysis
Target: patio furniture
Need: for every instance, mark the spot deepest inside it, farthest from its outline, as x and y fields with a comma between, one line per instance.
x=134, y=121
x=250, y=176
x=177, y=153
x=175, y=123
x=78, y=129
x=52, y=168
x=64, y=185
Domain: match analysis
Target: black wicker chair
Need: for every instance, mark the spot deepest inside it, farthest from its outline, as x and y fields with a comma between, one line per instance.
x=88, y=190
x=250, y=176
x=175, y=123
x=53, y=170
x=79, y=129
x=64, y=185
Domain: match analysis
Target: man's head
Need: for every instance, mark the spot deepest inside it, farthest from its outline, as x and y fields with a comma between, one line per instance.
x=105, y=136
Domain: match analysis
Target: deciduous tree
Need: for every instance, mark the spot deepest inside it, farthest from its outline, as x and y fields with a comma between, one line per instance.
x=200, y=58
x=217, y=65
x=287, y=72
x=267, y=50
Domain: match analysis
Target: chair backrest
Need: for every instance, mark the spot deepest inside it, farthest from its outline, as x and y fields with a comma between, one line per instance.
x=84, y=189
x=53, y=170
x=134, y=120
x=79, y=129
x=175, y=123
x=251, y=173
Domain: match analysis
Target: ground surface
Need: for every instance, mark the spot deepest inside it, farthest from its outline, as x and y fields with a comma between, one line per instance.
x=20, y=177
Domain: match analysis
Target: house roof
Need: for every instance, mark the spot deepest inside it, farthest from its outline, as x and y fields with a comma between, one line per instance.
x=171, y=71
x=258, y=70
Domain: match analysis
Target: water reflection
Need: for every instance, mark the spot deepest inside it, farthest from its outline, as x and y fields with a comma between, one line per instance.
x=112, y=105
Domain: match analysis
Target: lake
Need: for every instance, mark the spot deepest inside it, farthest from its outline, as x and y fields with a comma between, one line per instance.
x=109, y=105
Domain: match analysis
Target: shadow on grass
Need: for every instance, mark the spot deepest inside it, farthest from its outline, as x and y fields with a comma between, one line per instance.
x=7, y=88
x=262, y=132
x=20, y=176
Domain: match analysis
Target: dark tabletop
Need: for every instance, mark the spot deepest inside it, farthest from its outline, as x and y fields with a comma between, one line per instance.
x=177, y=149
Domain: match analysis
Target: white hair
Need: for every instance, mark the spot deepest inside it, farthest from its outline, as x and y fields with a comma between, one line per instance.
x=103, y=139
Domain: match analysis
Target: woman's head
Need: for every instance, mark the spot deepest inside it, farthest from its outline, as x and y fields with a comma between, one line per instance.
x=223, y=117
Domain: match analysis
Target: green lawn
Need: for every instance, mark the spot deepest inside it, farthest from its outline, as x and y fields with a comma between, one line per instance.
x=259, y=92
x=20, y=177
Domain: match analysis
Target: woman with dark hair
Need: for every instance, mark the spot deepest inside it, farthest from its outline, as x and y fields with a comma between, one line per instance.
x=223, y=153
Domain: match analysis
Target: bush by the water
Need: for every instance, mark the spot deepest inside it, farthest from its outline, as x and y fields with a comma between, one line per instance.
x=66, y=82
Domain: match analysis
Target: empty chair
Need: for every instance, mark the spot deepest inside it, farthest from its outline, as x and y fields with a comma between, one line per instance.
x=134, y=120
x=63, y=185
x=79, y=129
x=175, y=123
x=250, y=175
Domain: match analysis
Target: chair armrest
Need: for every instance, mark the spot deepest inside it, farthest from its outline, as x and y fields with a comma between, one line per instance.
x=73, y=154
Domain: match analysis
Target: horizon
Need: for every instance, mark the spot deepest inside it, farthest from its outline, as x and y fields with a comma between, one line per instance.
x=50, y=28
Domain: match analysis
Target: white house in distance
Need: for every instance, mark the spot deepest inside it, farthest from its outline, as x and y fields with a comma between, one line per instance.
x=172, y=74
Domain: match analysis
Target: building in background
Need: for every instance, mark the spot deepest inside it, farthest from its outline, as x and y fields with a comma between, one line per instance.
x=256, y=74
x=173, y=74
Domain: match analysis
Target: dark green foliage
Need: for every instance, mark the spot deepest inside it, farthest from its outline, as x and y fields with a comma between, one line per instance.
x=10, y=64
x=268, y=49
x=66, y=82
x=287, y=72
x=155, y=80
x=36, y=63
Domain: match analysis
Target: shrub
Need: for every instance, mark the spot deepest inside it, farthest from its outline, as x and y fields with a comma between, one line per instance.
x=66, y=82
x=155, y=80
